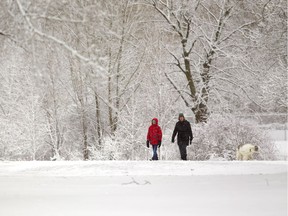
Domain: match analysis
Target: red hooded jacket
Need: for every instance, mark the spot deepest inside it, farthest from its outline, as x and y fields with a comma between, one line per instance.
x=154, y=133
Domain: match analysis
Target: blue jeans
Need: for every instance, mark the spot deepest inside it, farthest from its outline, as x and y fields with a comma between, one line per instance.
x=155, y=156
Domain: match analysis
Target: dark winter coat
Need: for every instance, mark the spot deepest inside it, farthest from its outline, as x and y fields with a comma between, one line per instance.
x=154, y=135
x=183, y=131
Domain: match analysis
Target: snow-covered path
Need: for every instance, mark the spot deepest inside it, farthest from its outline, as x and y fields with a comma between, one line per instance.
x=136, y=168
x=143, y=188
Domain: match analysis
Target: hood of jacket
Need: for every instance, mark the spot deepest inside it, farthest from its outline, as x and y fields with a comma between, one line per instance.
x=156, y=120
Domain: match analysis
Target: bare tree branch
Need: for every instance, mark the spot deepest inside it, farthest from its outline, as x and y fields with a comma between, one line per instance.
x=56, y=40
x=176, y=88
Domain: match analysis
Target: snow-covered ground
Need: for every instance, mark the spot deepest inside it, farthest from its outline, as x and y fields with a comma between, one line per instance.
x=282, y=147
x=280, y=138
x=136, y=168
x=143, y=188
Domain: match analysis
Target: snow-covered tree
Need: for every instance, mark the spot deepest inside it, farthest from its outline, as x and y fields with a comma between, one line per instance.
x=83, y=79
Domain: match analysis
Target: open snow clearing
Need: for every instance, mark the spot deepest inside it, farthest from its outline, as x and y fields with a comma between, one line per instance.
x=84, y=188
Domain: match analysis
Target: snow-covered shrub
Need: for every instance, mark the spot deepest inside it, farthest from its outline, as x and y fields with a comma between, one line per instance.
x=218, y=139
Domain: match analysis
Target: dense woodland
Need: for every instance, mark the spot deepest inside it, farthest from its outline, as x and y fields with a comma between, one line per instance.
x=82, y=79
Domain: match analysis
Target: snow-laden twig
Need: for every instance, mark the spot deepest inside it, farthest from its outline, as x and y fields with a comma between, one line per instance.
x=177, y=89
x=243, y=90
x=34, y=16
x=209, y=12
x=236, y=30
x=56, y=40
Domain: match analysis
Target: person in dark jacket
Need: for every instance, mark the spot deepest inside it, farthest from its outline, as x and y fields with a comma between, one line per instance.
x=184, y=135
x=154, y=137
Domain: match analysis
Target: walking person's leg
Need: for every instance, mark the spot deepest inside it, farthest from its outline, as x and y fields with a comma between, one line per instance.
x=155, y=156
x=183, y=150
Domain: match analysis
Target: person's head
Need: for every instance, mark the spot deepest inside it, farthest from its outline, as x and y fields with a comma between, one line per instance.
x=181, y=117
x=154, y=121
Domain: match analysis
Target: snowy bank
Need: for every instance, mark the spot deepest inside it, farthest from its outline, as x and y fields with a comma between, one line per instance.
x=140, y=168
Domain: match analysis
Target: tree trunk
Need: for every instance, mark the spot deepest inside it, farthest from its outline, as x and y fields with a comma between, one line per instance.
x=199, y=109
x=98, y=122
x=85, y=142
x=110, y=111
x=113, y=120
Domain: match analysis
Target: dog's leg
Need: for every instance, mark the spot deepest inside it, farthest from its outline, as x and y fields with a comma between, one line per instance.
x=246, y=157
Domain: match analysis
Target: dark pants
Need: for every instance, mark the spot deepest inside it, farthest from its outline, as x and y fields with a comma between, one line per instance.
x=155, y=156
x=182, y=147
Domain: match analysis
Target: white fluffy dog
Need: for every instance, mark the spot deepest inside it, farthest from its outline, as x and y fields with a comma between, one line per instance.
x=246, y=151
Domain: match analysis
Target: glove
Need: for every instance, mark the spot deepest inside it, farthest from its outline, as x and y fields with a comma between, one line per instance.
x=147, y=143
x=159, y=144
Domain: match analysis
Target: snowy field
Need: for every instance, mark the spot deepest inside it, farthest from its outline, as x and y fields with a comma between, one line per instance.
x=143, y=188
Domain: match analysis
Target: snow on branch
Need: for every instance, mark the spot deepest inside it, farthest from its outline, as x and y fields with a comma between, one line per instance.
x=176, y=88
x=56, y=40
x=215, y=18
x=243, y=90
x=34, y=16
x=167, y=18
x=238, y=29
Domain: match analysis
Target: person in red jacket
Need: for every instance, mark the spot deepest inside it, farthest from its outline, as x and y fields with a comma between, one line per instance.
x=154, y=137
